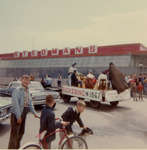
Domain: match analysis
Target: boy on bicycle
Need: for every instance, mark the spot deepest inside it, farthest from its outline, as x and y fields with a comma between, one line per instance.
x=73, y=114
x=48, y=123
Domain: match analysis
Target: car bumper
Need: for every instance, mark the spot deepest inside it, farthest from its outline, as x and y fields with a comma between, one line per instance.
x=39, y=102
x=5, y=117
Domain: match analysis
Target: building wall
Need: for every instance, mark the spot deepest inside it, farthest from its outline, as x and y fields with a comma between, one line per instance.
x=53, y=66
x=92, y=61
x=140, y=59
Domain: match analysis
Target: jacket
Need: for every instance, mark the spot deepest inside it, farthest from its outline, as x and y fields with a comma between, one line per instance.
x=74, y=80
x=18, y=102
x=71, y=115
x=48, y=123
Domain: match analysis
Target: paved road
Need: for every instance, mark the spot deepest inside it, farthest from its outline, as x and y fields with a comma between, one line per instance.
x=122, y=127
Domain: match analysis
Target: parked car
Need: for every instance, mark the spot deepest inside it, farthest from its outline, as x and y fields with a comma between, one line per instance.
x=46, y=82
x=9, y=89
x=5, y=107
x=37, y=91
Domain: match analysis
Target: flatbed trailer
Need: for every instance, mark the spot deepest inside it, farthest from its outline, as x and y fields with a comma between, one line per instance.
x=95, y=97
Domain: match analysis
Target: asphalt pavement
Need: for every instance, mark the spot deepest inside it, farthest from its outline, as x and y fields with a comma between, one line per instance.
x=121, y=127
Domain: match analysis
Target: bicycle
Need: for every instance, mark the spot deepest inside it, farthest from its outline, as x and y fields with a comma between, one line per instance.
x=66, y=141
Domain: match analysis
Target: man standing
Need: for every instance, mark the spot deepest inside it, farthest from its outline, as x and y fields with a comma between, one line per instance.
x=74, y=79
x=21, y=105
x=70, y=72
x=59, y=81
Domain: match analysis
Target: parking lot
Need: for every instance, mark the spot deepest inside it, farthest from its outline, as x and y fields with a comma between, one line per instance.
x=121, y=127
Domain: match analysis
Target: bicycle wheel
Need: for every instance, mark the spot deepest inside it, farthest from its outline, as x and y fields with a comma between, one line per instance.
x=32, y=146
x=74, y=142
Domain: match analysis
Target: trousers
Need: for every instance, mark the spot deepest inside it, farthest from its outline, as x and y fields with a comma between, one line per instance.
x=17, y=130
x=69, y=79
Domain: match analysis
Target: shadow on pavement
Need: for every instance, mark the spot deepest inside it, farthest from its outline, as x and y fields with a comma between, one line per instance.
x=108, y=108
x=4, y=128
x=103, y=107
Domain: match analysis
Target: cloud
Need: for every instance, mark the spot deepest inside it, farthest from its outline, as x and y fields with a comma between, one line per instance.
x=116, y=28
x=104, y=30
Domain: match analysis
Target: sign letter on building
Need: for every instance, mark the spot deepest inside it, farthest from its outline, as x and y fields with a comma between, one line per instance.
x=25, y=54
x=92, y=49
x=34, y=53
x=78, y=50
x=66, y=51
x=16, y=54
x=44, y=52
x=55, y=51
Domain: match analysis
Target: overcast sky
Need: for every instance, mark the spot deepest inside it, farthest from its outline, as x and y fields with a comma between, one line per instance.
x=37, y=24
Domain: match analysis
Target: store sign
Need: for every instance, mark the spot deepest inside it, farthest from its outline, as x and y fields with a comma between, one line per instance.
x=16, y=54
x=34, y=53
x=44, y=52
x=66, y=51
x=54, y=52
x=92, y=49
x=78, y=50
x=25, y=54
x=142, y=48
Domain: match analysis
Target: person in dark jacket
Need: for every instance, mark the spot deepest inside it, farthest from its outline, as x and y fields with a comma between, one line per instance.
x=48, y=123
x=74, y=79
x=59, y=81
x=71, y=115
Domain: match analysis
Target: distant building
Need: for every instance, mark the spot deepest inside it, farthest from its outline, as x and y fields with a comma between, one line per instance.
x=130, y=58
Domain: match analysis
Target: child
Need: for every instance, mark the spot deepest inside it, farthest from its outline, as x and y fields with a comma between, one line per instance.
x=134, y=91
x=71, y=115
x=48, y=123
x=140, y=90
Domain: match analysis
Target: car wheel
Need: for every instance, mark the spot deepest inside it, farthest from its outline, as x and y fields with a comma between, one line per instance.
x=114, y=104
x=95, y=104
x=66, y=98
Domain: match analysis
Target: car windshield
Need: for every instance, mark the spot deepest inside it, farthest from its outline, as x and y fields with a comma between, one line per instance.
x=35, y=86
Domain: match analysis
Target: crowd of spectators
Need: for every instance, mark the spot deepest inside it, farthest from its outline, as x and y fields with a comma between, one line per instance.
x=138, y=85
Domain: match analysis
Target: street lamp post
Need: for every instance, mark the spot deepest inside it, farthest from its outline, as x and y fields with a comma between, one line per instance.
x=140, y=68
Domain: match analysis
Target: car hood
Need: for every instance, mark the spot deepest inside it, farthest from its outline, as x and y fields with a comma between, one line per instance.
x=3, y=89
x=4, y=101
x=45, y=93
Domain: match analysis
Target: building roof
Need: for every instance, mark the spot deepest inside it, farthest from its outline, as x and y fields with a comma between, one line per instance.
x=112, y=50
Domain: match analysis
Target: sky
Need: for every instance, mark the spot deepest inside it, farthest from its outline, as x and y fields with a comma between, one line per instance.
x=37, y=24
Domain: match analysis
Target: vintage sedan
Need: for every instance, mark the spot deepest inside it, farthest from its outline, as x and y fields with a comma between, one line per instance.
x=5, y=107
x=37, y=91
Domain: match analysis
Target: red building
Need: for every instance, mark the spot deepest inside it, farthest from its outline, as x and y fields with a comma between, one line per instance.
x=126, y=56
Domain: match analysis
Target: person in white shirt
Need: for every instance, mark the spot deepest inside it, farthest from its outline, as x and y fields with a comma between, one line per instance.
x=90, y=75
x=70, y=72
